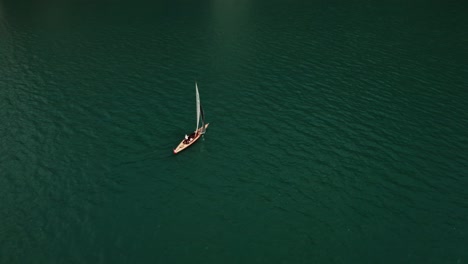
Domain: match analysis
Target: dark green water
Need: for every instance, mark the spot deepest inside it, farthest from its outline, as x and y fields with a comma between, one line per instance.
x=338, y=132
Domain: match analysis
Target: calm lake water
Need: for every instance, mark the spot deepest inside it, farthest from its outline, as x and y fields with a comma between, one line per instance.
x=338, y=132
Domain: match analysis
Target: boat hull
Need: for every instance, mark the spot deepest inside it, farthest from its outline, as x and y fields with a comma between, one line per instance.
x=182, y=145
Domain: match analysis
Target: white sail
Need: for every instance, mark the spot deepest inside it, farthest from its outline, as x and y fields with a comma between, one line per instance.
x=198, y=106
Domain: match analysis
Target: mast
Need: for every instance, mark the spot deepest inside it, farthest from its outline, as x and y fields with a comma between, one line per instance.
x=198, y=105
x=202, y=119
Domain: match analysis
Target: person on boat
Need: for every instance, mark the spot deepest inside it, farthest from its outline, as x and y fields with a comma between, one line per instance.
x=192, y=136
x=186, y=140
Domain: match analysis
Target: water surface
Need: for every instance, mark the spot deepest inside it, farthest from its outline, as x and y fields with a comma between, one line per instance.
x=337, y=132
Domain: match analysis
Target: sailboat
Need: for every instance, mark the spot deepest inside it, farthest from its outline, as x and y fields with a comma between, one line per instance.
x=199, y=130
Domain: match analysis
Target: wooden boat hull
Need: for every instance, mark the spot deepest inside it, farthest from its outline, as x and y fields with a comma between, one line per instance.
x=182, y=145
